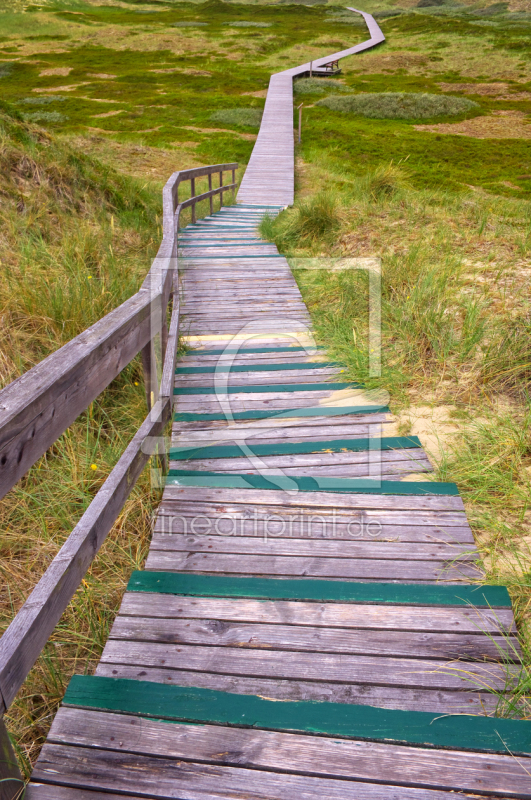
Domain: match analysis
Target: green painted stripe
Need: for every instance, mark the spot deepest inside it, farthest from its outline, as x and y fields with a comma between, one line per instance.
x=232, y=257
x=244, y=350
x=190, y=704
x=287, y=413
x=229, y=240
x=259, y=367
x=297, y=448
x=232, y=244
x=320, y=591
x=234, y=480
x=267, y=388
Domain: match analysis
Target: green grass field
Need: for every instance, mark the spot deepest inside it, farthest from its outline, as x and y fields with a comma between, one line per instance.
x=102, y=100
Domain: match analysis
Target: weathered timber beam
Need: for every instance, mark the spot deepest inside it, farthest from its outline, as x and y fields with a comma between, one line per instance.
x=31, y=628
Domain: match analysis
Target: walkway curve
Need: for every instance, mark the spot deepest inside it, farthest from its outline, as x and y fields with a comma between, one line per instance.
x=270, y=174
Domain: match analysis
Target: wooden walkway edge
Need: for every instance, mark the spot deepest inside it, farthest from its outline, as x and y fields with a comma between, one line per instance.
x=311, y=621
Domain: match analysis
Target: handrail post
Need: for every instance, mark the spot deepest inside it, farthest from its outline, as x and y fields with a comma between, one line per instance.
x=233, y=181
x=192, y=194
x=210, y=189
x=11, y=780
x=220, y=185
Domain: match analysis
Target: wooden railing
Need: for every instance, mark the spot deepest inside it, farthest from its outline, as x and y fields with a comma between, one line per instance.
x=40, y=405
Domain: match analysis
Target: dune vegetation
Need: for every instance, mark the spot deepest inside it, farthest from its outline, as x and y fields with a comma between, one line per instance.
x=104, y=99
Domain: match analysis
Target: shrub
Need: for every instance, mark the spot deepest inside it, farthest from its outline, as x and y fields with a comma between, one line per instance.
x=45, y=116
x=248, y=24
x=384, y=181
x=400, y=105
x=247, y=117
x=318, y=86
x=42, y=101
x=309, y=222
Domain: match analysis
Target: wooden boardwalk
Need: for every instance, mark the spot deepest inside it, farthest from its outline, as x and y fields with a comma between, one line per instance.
x=310, y=622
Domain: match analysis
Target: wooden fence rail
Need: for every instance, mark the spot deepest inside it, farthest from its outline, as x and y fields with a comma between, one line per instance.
x=39, y=406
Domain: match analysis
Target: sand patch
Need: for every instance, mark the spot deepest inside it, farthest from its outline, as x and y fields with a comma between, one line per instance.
x=99, y=100
x=497, y=90
x=498, y=125
x=71, y=88
x=56, y=71
x=432, y=424
x=187, y=71
x=109, y=133
x=250, y=137
x=108, y=114
x=483, y=89
x=102, y=75
x=261, y=93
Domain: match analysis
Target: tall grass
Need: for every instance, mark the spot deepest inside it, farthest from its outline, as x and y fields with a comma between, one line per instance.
x=76, y=240
x=455, y=333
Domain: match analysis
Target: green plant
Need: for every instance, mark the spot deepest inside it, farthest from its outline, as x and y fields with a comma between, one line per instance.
x=246, y=117
x=400, y=105
x=385, y=181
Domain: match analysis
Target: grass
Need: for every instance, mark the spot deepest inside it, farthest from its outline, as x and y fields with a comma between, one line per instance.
x=450, y=216
x=76, y=241
x=455, y=334
x=400, y=105
x=242, y=117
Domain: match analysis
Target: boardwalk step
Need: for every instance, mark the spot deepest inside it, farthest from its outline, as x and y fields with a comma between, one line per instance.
x=178, y=477
x=320, y=591
x=279, y=449
x=284, y=413
x=178, y=703
x=275, y=388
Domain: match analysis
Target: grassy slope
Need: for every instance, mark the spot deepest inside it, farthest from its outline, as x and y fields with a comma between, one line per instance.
x=92, y=231
x=76, y=241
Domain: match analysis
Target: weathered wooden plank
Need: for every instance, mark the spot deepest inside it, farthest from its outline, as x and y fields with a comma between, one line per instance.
x=292, y=638
x=447, y=571
x=169, y=778
x=438, y=701
x=40, y=405
x=318, y=499
x=375, y=548
x=480, y=734
x=347, y=616
x=24, y=639
x=424, y=767
x=360, y=669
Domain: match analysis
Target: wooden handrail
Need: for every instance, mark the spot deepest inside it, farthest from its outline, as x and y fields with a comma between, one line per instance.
x=41, y=404
x=170, y=193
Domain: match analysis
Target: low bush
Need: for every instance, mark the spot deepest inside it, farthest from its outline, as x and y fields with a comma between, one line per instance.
x=318, y=86
x=400, y=105
x=245, y=117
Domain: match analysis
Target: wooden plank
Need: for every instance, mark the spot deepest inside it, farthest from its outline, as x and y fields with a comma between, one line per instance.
x=335, y=446
x=319, y=590
x=319, y=499
x=24, y=639
x=395, y=698
x=345, y=616
x=429, y=768
x=478, y=734
x=46, y=791
x=168, y=778
x=312, y=526
x=40, y=405
x=447, y=571
x=292, y=638
x=250, y=545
